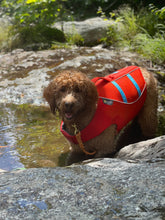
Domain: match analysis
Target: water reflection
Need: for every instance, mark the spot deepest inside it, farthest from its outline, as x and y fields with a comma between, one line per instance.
x=31, y=136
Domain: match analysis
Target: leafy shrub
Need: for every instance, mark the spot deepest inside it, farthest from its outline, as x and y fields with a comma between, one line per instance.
x=161, y=125
x=112, y=37
x=32, y=20
x=35, y=37
x=152, y=19
x=124, y=29
x=34, y=12
x=4, y=31
x=75, y=38
x=82, y=9
x=143, y=32
x=151, y=48
x=129, y=21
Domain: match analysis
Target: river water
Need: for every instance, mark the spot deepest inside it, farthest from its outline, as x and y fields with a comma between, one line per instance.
x=30, y=137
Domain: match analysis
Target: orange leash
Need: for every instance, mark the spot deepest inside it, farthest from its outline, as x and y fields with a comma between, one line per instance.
x=78, y=137
x=79, y=140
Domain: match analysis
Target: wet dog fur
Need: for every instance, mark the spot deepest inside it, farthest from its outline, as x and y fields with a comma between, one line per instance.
x=75, y=97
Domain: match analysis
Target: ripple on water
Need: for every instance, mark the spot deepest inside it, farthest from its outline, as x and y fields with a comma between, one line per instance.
x=30, y=137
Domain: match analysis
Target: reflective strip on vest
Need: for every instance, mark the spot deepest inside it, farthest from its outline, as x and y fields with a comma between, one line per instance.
x=120, y=90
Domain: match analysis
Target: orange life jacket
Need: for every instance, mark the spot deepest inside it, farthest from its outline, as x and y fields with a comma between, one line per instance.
x=121, y=96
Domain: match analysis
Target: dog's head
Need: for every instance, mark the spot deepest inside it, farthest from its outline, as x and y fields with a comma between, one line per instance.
x=72, y=93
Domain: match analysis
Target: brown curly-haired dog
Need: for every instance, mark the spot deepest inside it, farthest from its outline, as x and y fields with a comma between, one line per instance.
x=75, y=97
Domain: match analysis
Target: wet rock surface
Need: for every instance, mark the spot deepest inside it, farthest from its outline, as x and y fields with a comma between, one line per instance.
x=24, y=74
x=149, y=151
x=100, y=189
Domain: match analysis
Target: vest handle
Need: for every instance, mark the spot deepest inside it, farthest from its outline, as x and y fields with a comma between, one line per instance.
x=108, y=78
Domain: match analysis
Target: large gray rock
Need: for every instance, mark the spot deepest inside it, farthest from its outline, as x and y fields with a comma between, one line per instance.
x=92, y=30
x=150, y=150
x=97, y=189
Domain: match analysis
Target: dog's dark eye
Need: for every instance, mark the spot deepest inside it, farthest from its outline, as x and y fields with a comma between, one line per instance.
x=76, y=89
x=63, y=89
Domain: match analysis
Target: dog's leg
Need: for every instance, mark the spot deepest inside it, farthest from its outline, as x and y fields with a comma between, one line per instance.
x=130, y=134
x=106, y=144
x=147, y=117
x=148, y=121
x=75, y=157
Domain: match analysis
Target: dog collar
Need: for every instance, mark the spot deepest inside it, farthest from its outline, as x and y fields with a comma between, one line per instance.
x=121, y=96
x=92, y=129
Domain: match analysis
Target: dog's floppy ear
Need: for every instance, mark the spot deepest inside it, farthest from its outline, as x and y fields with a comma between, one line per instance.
x=90, y=92
x=49, y=95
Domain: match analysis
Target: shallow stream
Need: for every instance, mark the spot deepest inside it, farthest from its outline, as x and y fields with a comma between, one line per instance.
x=30, y=137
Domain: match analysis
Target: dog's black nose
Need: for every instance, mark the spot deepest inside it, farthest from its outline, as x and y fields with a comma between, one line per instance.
x=69, y=105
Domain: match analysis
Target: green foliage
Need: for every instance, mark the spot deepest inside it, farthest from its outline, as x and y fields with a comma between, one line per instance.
x=160, y=13
x=75, y=38
x=124, y=28
x=4, y=31
x=36, y=37
x=151, y=48
x=129, y=21
x=34, y=12
x=112, y=37
x=152, y=20
x=82, y=9
x=32, y=20
x=112, y=33
x=161, y=125
x=143, y=32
